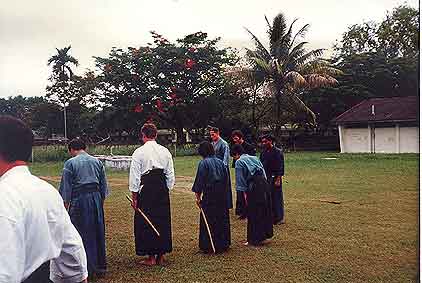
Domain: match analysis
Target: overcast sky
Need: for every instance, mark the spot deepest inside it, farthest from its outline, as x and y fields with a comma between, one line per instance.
x=30, y=30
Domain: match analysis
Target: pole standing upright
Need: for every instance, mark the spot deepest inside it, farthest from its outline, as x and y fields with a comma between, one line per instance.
x=65, y=127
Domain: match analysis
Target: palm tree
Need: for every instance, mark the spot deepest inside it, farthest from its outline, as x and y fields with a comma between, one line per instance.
x=62, y=75
x=286, y=67
x=61, y=61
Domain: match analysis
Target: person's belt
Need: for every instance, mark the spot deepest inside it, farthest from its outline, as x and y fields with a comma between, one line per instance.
x=153, y=171
x=84, y=189
x=41, y=274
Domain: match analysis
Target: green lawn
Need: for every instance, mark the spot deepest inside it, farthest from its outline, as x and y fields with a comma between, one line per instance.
x=370, y=236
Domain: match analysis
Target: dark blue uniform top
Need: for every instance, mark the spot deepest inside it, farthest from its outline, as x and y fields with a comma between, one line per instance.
x=273, y=161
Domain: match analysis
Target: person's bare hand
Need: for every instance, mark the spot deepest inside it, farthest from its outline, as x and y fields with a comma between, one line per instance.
x=277, y=181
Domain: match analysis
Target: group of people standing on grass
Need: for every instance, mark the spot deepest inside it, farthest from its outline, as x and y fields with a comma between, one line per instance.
x=60, y=236
x=259, y=196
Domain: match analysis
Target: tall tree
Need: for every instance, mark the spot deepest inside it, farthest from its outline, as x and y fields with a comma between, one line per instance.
x=62, y=88
x=396, y=36
x=60, y=63
x=165, y=81
x=287, y=67
x=378, y=60
x=189, y=73
x=124, y=83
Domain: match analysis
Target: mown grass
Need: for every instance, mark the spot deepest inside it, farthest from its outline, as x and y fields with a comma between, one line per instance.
x=370, y=236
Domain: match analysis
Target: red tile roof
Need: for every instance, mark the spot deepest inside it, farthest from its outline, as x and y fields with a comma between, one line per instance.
x=388, y=109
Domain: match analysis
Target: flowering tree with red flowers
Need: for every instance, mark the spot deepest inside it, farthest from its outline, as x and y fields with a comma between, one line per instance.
x=124, y=89
x=165, y=82
x=187, y=73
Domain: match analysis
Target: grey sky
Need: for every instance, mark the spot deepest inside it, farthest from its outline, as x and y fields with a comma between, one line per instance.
x=31, y=30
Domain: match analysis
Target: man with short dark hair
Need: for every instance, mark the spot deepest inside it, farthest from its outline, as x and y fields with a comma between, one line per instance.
x=251, y=182
x=84, y=188
x=151, y=178
x=273, y=160
x=222, y=152
x=37, y=238
x=237, y=138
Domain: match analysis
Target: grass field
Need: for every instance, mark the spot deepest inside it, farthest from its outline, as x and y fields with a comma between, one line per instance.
x=370, y=236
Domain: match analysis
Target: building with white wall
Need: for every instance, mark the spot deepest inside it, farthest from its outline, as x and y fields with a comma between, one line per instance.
x=380, y=125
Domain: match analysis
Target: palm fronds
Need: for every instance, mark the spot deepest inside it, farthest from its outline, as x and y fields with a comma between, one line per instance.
x=287, y=67
x=259, y=46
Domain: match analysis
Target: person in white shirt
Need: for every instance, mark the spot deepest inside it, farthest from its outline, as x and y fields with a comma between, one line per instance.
x=151, y=178
x=37, y=240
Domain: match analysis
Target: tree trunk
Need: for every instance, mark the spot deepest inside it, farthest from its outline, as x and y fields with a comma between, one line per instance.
x=277, y=133
x=181, y=137
x=254, y=121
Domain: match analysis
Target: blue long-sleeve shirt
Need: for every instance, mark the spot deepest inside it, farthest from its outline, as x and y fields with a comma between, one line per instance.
x=211, y=170
x=81, y=170
x=222, y=151
x=247, y=166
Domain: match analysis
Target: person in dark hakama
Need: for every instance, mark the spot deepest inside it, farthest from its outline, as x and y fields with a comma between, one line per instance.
x=83, y=188
x=251, y=180
x=222, y=152
x=237, y=138
x=151, y=178
x=210, y=183
x=273, y=160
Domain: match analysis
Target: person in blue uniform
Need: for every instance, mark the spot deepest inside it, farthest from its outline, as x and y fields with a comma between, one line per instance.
x=83, y=188
x=211, y=195
x=237, y=138
x=222, y=152
x=273, y=160
x=251, y=181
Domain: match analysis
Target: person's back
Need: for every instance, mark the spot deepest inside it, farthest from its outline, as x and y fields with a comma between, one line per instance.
x=251, y=180
x=215, y=167
x=216, y=178
x=151, y=177
x=251, y=164
x=36, y=233
x=211, y=197
x=86, y=169
x=84, y=189
x=35, y=210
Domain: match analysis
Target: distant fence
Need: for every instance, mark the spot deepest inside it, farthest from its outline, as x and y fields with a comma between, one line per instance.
x=46, y=153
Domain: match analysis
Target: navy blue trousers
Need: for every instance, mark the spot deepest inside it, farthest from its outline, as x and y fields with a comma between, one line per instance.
x=87, y=215
x=277, y=202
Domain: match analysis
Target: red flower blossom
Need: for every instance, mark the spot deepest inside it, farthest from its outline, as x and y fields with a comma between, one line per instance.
x=159, y=105
x=189, y=63
x=192, y=49
x=138, y=108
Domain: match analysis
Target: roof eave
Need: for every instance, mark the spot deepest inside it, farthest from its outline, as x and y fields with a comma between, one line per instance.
x=374, y=121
